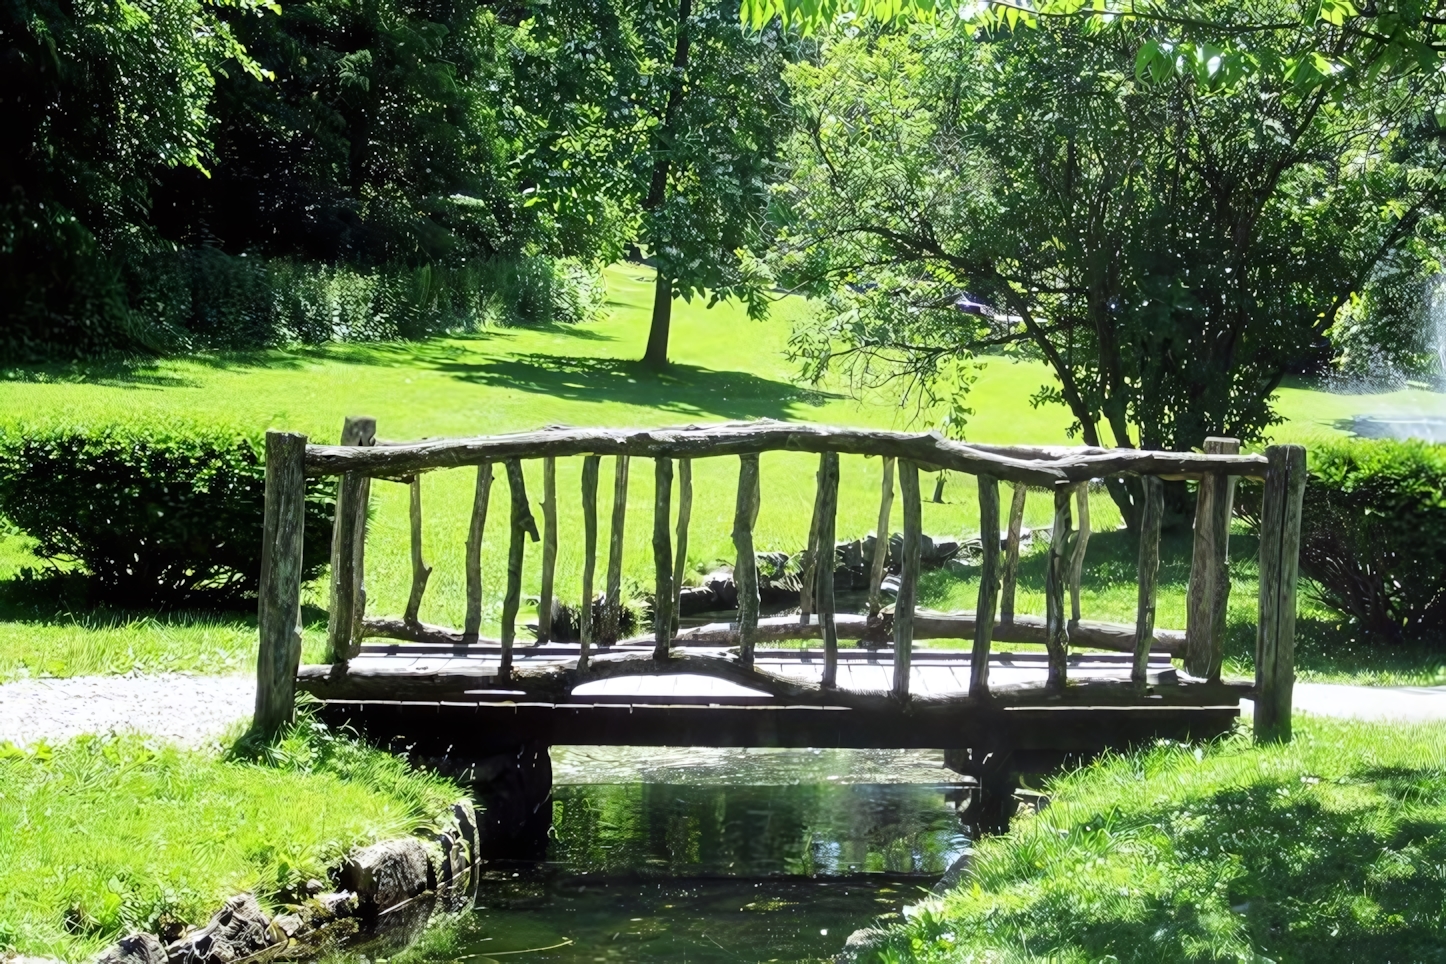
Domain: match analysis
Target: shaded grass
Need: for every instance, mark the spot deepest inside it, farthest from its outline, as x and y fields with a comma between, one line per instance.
x=105, y=835
x=1330, y=848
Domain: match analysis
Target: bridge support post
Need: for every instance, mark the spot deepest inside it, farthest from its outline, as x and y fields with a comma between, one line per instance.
x=348, y=549
x=1209, y=590
x=278, y=611
x=1279, y=570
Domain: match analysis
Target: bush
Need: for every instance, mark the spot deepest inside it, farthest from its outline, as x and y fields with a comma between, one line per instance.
x=163, y=517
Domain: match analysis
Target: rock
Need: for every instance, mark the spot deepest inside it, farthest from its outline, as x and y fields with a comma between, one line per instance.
x=135, y=949
x=466, y=816
x=387, y=873
x=289, y=925
x=239, y=929
x=329, y=906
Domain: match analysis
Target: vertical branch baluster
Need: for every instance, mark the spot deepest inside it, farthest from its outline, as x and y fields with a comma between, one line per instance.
x=612, y=607
x=480, y=497
x=1149, y=569
x=824, y=561
x=549, y=548
x=1081, y=543
x=1011, y=554
x=1056, y=630
x=348, y=537
x=988, y=585
x=881, y=542
x=745, y=570
x=1280, y=519
x=590, y=466
x=685, y=513
x=1208, y=594
x=808, y=577
x=663, y=596
x=278, y=611
x=522, y=525
x=908, y=578
x=421, y=572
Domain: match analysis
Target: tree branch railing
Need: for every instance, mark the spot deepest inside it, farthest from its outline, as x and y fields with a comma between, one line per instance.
x=1066, y=472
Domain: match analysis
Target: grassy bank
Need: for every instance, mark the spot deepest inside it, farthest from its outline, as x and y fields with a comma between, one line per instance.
x=1330, y=848
x=105, y=835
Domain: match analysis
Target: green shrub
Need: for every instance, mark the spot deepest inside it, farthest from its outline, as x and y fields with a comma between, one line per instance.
x=160, y=517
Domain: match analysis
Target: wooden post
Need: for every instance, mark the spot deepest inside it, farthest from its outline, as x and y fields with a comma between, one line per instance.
x=745, y=570
x=612, y=607
x=823, y=563
x=881, y=541
x=908, y=578
x=1077, y=555
x=480, y=497
x=1285, y=480
x=590, y=466
x=1209, y=590
x=522, y=525
x=278, y=610
x=421, y=572
x=664, y=597
x=1011, y=554
x=549, y=548
x=1056, y=630
x=988, y=585
x=348, y=539
x=808, y=578
x=1149, y=573
x=685, y=513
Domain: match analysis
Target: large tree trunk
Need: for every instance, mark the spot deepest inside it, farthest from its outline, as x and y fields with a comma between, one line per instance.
x=657, y=353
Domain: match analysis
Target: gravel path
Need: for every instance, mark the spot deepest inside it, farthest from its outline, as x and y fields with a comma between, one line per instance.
x=190, y=710
x=195, y=710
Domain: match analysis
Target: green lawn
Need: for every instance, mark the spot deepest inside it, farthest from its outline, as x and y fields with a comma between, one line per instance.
x=727, y=367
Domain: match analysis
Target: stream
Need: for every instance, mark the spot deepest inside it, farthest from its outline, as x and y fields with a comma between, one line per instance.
x=709, y=855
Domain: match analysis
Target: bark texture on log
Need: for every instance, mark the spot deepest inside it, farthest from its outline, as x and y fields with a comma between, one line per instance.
x=988, y=585
x=664, y=596
x=480, y=497
x=1149, y=573
x=904, y=600
x=745, y=570
x=685, y=515
x=613, y=605
x=421, y=572
x=1208, y=595
x=1011, y=553
x=881, y=540
x=348, y=547
x=549, y=548
x=590, y=467
x=1054, y=582
x=1279, y=571
x=523, y=525
x=823, y=564
x=278, y=610
x=1077, y=551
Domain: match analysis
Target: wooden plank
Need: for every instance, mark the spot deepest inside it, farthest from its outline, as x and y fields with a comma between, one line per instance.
x=904, y=600
x=421, y=572
x=549, y=548
x=1208, y=595
x=881, y=540
x=685, y=515
x=612, y=607
x=1011, y=553
x=1279, y=571
x=1149, y=573
x=590, y=466
x=1077, y=553
x=745, y=570
x=347, y=552
x=664, y=596
x=523, y=525
x=988, y=585
x=1057, y=630
x=278, y=611
x=824, y=563
x=480, y=497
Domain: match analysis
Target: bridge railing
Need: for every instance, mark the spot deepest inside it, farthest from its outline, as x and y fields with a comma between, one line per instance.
x=1065, y=471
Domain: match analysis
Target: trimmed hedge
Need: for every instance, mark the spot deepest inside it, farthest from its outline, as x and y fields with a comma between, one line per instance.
x=157, y=517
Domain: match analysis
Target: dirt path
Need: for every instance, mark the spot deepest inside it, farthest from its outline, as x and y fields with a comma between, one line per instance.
x=189, y=710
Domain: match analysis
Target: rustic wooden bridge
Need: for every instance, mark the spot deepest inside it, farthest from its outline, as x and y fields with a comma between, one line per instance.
x=780, y=681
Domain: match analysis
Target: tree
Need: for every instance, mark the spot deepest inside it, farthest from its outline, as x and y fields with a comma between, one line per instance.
x=1166, y=246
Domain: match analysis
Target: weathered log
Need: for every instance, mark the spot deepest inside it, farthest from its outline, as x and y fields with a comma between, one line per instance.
x=1149, y=574
x=1279, y=570
x=1011, y=553
x=1077, y=552
x=480, y=497
x=549, y=548
x=590, y=466
x=523, y=525
x=808, y=577
x=1054, y=582
x=988, y=585
x=1208, y=595
x=745, y=570
x=881, y=540
x=824, y=563
x=904, y=600
x=348, y=537
x=685, y=514
x=278, y=610
x=613, y=604
x=664, y=597
x=752, y=438
x=421, y=572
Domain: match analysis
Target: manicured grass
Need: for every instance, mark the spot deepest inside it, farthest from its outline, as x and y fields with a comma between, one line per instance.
x=105, y=835
x=1328, y=849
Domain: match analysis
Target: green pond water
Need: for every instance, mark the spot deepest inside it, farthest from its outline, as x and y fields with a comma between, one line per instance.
x=719, y=855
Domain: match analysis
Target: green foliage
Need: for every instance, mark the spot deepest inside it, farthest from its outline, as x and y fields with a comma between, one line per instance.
x=156, y=515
